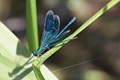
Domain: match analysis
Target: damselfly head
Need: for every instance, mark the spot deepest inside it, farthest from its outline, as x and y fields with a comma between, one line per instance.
x=35, y=53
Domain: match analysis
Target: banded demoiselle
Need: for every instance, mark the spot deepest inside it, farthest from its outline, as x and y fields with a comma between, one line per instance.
x=51, y=33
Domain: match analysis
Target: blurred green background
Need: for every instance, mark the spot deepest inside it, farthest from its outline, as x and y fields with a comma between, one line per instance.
x=100, y=39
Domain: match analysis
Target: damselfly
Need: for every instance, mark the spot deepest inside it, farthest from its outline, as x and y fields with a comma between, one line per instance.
x=51, y=33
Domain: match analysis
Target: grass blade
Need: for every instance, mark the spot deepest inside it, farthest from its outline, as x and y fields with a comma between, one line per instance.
x=31, y=29
x=81, y=28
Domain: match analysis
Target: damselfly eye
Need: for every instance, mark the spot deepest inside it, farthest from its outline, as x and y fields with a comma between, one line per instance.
x=35, y=53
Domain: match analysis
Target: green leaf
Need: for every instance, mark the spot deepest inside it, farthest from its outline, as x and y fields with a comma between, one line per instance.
x=14, y=57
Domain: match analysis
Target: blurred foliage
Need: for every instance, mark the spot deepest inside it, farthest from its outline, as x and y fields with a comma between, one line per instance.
x=101, y=38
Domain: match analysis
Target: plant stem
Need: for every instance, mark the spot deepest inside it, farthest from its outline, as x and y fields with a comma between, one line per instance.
x=31, y=25
x=32, y=32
